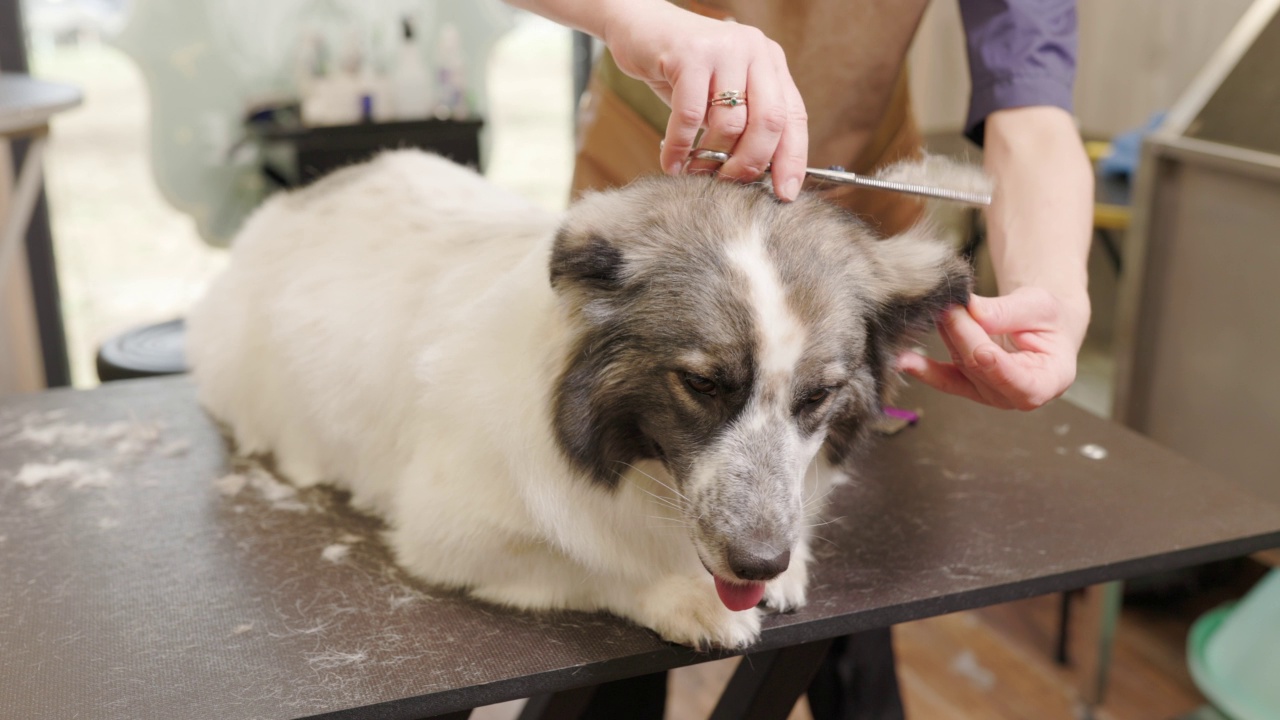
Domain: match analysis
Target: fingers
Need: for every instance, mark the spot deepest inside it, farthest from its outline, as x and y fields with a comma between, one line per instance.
x=1025, y=309
x=965, y=362
x=725, y=123
x=970, y=345
x=688, y=111
x=792, y=154
x=940, y=376
x=1024, y=380
x=763, y=123
x=766, y=119
x=1039, y=366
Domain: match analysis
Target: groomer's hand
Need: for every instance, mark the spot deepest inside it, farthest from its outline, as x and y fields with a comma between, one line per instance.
x=1017, y=351
x=688, y=59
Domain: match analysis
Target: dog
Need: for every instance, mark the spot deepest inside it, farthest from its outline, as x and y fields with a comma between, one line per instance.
x=636, y=407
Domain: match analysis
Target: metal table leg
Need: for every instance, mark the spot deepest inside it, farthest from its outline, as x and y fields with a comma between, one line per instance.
x=1112, y=601
x=566, y=704
x=858, y=680
x=767, y=685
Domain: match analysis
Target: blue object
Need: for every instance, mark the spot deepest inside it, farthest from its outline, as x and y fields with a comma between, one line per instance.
x=1126, y=148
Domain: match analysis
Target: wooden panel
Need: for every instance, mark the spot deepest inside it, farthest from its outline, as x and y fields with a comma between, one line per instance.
x=1208, y=330
x=1135, y=57
x=1138, y=56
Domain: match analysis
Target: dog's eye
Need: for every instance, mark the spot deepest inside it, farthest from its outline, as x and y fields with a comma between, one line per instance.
x=817, y=396
x=699, y=384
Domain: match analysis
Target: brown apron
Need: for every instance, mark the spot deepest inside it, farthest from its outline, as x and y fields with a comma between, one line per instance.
x=853, y=82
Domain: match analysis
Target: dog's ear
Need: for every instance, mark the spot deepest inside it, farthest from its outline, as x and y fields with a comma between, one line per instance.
x=916, y=276
x=593, y=415
x=585, y=259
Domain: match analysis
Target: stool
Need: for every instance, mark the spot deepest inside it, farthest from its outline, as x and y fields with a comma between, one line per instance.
x=146, y=351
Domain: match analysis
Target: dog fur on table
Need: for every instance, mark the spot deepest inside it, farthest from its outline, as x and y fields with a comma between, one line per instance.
x=637, y=407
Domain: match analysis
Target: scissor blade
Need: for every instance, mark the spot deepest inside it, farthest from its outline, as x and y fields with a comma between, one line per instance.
x=848, y=178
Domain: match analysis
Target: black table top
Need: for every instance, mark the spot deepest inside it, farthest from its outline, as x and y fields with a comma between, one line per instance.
x=139, y=580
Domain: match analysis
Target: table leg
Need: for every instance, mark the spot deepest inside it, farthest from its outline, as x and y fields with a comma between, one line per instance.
x=566, y=704
x=637, y=698
x=23, y=200
x=1061, y=653
x=767, y=684
x=858, y=680
x=1112, y=603
x=1094, y=637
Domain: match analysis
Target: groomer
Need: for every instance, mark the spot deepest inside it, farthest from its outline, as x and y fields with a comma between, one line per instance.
x=823, y=82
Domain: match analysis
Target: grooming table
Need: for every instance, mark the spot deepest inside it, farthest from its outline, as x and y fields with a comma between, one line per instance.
x=141, y=578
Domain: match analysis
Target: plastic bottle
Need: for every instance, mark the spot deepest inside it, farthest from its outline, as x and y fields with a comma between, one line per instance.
x=451, y=79
x=410, y=82
x=377, y=96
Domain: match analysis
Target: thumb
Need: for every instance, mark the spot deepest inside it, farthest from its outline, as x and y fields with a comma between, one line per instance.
x=1019, y=311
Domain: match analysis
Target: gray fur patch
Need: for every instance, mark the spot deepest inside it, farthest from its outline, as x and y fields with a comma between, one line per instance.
x=661, y=314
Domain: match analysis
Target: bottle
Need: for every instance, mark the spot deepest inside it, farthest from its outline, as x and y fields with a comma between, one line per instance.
x=410, y=81
x=377, y=80
x=309, y=65
x=451, y=81
x=330, y=88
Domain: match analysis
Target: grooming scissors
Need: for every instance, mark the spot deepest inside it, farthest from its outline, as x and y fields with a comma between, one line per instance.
x=841, y=177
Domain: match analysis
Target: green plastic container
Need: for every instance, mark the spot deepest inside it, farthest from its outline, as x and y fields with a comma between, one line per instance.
x=1234, y=653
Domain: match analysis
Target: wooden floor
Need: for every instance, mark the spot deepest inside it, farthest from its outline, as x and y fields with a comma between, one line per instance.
x=996, y=664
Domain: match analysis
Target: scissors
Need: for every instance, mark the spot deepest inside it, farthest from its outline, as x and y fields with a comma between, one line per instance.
x=839, y=176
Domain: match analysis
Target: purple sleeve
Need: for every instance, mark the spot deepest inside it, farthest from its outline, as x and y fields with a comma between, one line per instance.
x=1021, y=53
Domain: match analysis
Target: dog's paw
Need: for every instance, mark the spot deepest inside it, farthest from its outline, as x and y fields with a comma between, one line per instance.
x=687, y=611
x=787, y=592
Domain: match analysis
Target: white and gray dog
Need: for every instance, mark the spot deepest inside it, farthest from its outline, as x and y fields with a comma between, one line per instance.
x=637, y=407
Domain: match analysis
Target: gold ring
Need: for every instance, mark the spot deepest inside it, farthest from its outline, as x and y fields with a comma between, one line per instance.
x=728, y=98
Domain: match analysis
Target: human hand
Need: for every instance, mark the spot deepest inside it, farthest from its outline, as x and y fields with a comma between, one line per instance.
x=687, y=59
x=1014, y=351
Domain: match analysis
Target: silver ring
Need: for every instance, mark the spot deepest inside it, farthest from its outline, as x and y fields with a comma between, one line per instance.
x=712, y=155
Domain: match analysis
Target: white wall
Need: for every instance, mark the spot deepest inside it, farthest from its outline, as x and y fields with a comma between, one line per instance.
x=1136, y=57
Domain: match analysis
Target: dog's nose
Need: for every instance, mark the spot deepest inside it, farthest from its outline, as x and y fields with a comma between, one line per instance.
x=758, y=561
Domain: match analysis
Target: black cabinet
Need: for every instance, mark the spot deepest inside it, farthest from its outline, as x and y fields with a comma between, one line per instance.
x=295, y=156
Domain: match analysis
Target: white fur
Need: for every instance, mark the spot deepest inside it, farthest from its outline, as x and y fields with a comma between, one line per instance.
x=434, y=413
x=782, y=333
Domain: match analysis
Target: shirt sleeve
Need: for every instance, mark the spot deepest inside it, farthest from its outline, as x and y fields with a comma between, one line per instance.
x=1021, y=53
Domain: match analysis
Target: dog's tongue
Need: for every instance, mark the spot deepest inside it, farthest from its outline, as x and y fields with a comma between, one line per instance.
x=739, y=596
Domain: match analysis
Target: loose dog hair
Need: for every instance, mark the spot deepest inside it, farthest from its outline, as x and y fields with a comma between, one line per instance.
x=635, y=407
